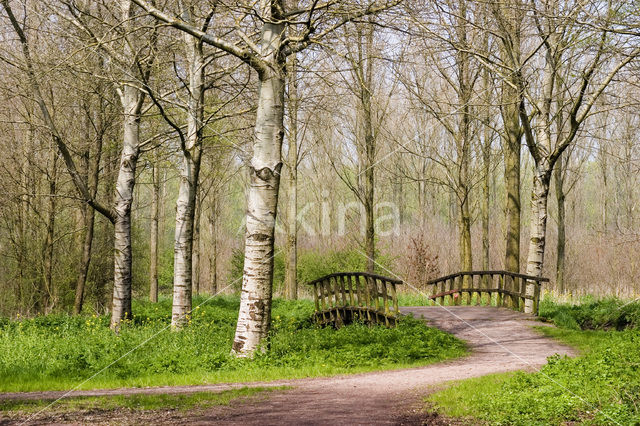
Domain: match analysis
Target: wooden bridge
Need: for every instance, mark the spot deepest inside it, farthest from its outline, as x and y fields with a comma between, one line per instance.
x=343, y=297
x=492, y=288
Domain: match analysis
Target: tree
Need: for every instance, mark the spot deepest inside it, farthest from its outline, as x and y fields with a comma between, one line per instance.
x=267, y=56
x=556, y=26
x=291, y=266
x=508, y=16
x=444, y=54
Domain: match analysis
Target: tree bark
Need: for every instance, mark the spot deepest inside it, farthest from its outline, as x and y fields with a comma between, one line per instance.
x=213, y=254
x=463, y=186
x=92, y=166
x=511, y=149
x=365, y=81
x=48, y=294
x=538, y=230
x=153, y=243
x=89, y=220
x=264, y=179
x=196, y=247
x=561, y=243
x=509, y=16
x=487, y=134
x=291, y=263
x=188, y=189
x=125, y=183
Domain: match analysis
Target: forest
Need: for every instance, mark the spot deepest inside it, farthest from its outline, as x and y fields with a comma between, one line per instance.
x=174, y=173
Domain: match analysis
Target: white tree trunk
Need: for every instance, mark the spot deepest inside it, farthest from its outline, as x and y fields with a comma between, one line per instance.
x=538, y=231
x=262, y=199
x=186, y=203
x=183, y=245
x=121, y=304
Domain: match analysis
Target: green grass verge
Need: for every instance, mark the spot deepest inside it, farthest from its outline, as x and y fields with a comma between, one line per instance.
x=139, y=402
x=602, y=386
x=59, y=352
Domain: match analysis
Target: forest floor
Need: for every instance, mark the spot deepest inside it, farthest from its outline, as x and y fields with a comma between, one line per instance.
x=500, y=340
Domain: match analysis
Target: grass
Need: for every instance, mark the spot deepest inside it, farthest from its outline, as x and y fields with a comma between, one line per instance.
x=602, y=386
x=136, y=402
x=60, y=352
x=591, y=314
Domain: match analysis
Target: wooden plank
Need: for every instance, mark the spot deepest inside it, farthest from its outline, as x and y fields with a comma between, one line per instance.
x=469, y=294
x=394, y=297
x=385, y=298
x=457, y=290
x=367, y=295
x=336, y=303
x=362, y=274
x=343, y=291
x=359, y=291
x=375, y=294
x=327, y=290
x=496, y=272
x=385, y=302
x=490, y=283
x=323, y=302
x=349, y=286
x=520, y=284
x=536, y=298
x=316, y=300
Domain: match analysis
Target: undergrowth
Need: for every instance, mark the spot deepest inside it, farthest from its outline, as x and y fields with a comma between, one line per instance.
x=592, y=314
x=64, y=352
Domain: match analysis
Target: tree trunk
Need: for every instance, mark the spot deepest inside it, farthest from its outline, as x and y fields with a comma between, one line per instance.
x=485, y=205
x=512, y=185
x=48, y=292
x=291, y=266
x=213, y=254
x=187, y=192
x=153, y=243
x=561, y=244
x=466, y=256
x=89, y=220
x=183, y=246
x=510, y=15
x=538, y=231
x=121, y=304
x=196, y=247
x=366, y=81
x=254, y=317
x=92, y=166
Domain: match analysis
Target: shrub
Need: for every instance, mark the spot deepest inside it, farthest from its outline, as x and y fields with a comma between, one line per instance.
x=602, y=314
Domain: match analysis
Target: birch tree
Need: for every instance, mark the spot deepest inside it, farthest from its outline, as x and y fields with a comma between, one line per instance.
x=267, y=55
x=131, y=58
x=132, y=99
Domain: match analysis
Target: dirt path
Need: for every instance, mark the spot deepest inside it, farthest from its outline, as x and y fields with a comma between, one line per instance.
x=500, y=340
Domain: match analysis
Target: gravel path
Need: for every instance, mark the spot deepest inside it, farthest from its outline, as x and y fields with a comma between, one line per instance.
x=500, y=340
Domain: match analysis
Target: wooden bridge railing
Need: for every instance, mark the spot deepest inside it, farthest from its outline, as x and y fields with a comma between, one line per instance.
x=509, y=289
x=343, y=297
